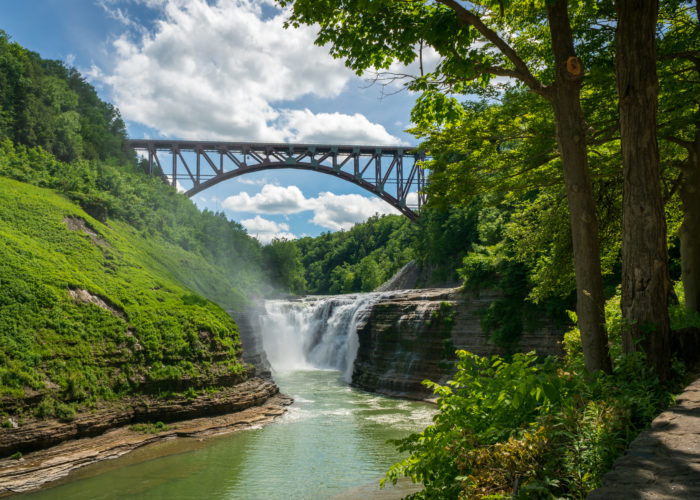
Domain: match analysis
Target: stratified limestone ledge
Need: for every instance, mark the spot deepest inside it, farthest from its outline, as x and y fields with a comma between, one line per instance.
x=41, y=467
x=35, y=434
x=403, y=340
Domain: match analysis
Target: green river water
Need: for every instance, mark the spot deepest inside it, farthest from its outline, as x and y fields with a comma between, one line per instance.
x=330, y=444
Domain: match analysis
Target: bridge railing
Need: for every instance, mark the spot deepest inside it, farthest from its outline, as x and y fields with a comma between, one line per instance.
x=392, y=173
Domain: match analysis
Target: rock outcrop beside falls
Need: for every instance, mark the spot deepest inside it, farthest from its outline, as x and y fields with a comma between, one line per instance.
x=408, y=336
x=248, y=325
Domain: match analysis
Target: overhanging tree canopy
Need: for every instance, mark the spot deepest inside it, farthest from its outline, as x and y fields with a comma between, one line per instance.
x=532, y=43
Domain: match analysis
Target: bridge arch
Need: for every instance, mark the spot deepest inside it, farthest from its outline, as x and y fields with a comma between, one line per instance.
x=391, y=173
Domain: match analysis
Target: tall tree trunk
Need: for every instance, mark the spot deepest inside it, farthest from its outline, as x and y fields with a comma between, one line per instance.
x=645, y=281
x=571, y=139
x=690, y=230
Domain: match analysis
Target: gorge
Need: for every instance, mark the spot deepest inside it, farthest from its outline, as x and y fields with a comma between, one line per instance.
x=383, y=342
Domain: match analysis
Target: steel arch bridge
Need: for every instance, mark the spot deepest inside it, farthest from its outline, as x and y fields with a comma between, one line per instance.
x=392, y=173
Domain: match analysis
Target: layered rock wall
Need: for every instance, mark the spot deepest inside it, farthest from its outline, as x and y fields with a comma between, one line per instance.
x=34, y=433
x=411, y=335
x=248, y=323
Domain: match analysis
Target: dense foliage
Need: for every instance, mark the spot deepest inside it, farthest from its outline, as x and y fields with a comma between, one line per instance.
x=96, y=171
x=100, y=261
x=367, y=255
x=121, y=192
x=91, y=311
x=43, y=103
x=539, y=428
x=567, y=139
x=359, y=259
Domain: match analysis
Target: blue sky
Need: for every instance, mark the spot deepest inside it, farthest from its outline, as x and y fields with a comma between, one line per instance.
x=225, y=70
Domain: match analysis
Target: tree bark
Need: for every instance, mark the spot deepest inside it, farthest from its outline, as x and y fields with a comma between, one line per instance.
x=690, y=230
x=565, y=96
x=645, y=281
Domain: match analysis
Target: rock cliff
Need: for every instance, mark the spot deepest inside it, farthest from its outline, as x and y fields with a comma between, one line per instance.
x=248, y=325
x=411, y=335
x=35, y=469
x=35, y=433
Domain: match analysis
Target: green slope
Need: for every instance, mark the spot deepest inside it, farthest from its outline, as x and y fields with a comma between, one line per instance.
x=58, y=351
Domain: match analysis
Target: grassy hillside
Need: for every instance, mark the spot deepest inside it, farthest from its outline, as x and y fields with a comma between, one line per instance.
x=56, y=132
x=92, y=310
x=156, y=212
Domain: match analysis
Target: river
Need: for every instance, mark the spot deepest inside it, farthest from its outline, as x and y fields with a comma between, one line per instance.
x=330, y=444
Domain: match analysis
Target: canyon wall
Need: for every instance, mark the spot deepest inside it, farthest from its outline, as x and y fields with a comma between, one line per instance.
x=408, y=336
x=248, y=323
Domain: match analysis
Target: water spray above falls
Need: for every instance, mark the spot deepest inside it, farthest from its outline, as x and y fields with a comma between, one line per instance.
x=314, y=332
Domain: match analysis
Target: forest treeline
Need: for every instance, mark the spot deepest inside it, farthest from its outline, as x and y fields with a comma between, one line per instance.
x=104, y=270
x=556, y=138
x=57, y=133
x=365, y=256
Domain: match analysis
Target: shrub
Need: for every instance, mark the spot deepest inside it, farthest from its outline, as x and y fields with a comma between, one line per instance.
x=539, y=428
x=65, y=412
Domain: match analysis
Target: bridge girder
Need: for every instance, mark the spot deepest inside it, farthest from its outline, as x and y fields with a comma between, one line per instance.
x=215, y=162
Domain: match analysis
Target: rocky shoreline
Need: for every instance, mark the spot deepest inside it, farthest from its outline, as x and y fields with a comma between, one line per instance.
x=109, y=432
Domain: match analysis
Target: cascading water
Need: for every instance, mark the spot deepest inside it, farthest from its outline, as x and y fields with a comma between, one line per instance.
x=314, y=332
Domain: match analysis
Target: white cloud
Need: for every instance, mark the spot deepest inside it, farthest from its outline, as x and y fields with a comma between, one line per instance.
x=178, y=186
x=412, y=199
x=330, y=211
x=271, y=199
x=215, y=70
x=266, y=230
x=253, y=182
x=343, y=211
x=303, y=126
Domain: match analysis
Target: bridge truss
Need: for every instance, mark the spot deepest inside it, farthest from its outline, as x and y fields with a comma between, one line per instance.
x=392, y=173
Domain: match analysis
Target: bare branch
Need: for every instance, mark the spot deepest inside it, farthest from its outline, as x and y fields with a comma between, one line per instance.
x=690, y=55
x=497, y=71
x=420, y=58
x=522, y=72
x=685, y=144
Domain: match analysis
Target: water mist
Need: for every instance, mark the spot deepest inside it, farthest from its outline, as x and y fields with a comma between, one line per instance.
x=314, y=332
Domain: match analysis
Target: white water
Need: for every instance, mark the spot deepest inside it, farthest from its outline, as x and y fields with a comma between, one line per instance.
x=315, y=332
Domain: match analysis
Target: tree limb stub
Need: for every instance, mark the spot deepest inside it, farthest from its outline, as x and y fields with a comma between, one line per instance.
x=574, y=67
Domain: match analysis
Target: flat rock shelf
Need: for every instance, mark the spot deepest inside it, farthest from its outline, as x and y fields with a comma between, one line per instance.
x=251, y=404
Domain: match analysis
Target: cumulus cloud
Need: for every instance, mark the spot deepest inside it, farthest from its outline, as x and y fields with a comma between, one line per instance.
x=343, y=211
x=266, y=230
x=178, y=186
x=303, y=126
x=217, y=69
x=271, y=199
x=412, y=199
x=330, y=211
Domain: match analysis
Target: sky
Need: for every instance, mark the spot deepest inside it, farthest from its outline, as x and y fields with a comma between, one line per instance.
x=226, y=70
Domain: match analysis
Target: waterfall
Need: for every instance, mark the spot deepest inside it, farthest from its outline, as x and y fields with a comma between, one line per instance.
x=314, y=332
